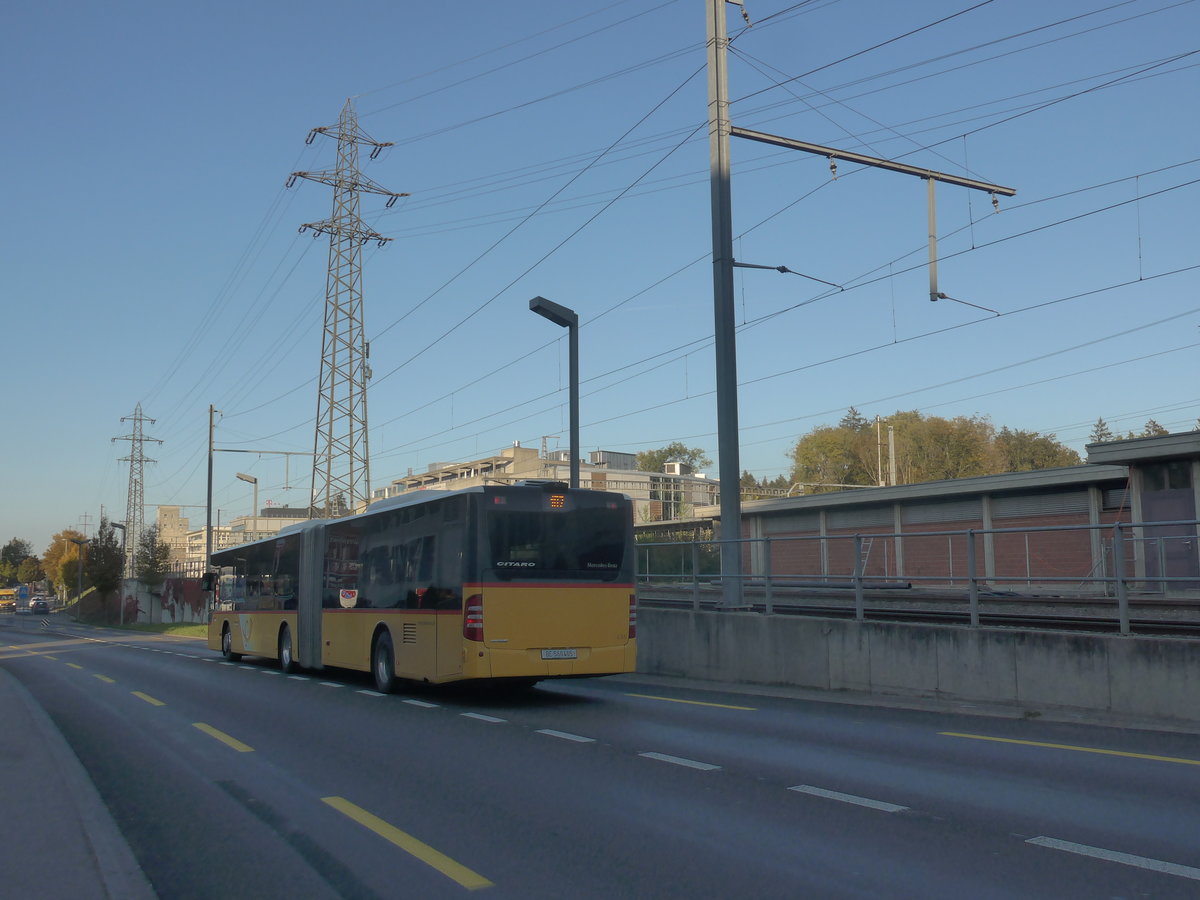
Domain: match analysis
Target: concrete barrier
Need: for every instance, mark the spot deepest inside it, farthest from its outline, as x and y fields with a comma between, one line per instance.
x=1131, y=675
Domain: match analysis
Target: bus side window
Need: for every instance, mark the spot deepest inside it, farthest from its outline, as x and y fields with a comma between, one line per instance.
x=418, y=570
x=449, y=567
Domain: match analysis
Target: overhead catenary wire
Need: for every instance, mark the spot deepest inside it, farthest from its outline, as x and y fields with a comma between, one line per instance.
x=935, y=332
x=542, y=258
x=699, y=344
x=301, y=385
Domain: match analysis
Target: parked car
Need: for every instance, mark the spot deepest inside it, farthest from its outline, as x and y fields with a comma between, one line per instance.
x=39, y=605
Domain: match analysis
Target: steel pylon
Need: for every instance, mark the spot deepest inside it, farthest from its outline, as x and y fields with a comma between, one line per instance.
x=341, y=479
x=135, y=503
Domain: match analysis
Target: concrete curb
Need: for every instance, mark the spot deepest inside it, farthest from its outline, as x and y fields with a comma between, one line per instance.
x=1061, y=715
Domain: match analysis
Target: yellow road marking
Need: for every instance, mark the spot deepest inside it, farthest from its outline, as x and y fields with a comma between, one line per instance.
x=472, y=881
x=74, y=666
x=692, y=702
x=106, y=679
x=147, y=698
x=1100, y=750
x=224, y=738
x=55, y=658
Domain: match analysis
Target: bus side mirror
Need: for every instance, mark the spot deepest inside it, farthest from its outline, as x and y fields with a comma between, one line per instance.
x=207, y=580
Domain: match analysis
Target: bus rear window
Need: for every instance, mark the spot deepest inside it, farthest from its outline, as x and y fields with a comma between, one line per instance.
x=582, y=544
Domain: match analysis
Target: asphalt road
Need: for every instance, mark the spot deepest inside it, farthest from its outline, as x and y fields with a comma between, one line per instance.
x=235, y=780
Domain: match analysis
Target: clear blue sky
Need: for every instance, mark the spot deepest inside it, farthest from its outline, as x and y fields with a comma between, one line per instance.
x=151, y=252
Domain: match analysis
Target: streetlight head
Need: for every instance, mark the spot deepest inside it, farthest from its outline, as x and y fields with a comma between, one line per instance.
x=555, y=312
x=249, y=479
x=116, y=525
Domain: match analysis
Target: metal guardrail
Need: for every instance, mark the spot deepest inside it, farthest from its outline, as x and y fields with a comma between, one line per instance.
x=1124, y=559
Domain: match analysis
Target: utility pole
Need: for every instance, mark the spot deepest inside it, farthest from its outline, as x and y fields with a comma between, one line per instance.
x=879, y=451
x=134, y=504
x=208, y=536
x=341, y=481
x=720, y=130
x=892, y=455
x=724, y=319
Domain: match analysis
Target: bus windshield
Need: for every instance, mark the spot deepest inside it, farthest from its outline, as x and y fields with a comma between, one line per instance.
x=541, y=544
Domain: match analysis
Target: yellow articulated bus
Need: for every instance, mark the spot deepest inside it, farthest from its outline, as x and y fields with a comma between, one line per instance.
x=517, y=583
x=8, y=600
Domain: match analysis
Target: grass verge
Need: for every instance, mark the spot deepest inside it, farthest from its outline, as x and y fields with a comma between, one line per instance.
x=179, y=629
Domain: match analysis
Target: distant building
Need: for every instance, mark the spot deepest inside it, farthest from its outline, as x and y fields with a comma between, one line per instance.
x=242, y=530
x=658, y=496
x=173, y=531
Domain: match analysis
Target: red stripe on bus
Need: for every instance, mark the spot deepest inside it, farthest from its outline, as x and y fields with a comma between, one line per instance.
x=253, y=612
x=395, y=611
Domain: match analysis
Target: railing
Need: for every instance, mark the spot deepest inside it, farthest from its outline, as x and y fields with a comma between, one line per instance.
x=1102, y=561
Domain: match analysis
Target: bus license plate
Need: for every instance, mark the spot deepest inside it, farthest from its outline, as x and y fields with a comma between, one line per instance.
x=570, y=653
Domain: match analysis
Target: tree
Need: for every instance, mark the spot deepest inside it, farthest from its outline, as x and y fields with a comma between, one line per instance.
x=961, y=447
x=758, y=489
x=152, y=559
x=105, y=562
x=928, y=448
x=60, y=552
x=67, y=573
x=10, y=559
x=1153, y=429
x=1025, y=451
x=827, y=457
x=1101, y=432
x=654, y=460
x=853, y=420
x=30, y=570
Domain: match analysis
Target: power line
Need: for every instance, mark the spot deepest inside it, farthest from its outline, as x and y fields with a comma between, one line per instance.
x=870, y=49
x=1030, y=308
x=549, y=253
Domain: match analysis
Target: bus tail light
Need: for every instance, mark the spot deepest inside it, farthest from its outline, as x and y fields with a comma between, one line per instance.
x=632, y=616
x=473, y=621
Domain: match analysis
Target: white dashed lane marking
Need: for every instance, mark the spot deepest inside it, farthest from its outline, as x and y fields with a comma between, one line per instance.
x=1125, y=859
x=848, y=798
x=680, y=761
x=482, y=718
x=567, y=736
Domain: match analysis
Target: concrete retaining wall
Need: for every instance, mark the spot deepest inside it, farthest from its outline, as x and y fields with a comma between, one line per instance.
x=1155, y=677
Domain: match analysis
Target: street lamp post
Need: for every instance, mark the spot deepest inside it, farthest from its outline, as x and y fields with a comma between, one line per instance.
x=568, y=319
x=126, y=571
x=250, y=479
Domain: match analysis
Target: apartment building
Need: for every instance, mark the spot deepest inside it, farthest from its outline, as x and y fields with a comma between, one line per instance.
x=665, y=496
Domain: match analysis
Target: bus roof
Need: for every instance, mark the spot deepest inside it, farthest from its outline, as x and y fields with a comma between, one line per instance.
x=411, y=498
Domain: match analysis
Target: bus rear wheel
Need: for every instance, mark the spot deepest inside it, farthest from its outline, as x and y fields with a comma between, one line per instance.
x=383, y=664
x=287, y=662
x=227, y=645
